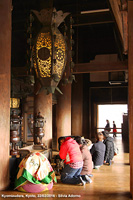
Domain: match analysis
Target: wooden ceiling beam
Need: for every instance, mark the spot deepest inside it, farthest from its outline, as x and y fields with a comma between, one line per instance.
x=93, y=23
x=119, y=11
x=115, y=6
x=93, y=18
x=100, y=67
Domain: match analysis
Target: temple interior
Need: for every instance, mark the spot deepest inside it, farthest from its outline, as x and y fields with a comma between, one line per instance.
x=59, y=61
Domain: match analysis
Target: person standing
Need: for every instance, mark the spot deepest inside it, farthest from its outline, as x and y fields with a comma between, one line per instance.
x=107, y=127
x=114, y=129
x=109, y=152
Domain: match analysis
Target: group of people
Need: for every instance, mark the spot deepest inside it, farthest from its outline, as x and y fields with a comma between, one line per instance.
x=103, y=150
x=79, y=160
x=107, y=127
x=77, y=169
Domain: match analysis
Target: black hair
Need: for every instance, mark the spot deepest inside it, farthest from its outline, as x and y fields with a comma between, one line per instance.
x=105, y=133
x=81, y=141
x=78, y=139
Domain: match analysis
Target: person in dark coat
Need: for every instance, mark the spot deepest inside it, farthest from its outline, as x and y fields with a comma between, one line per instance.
x=107, y=127
x=98, y=151
x=114, y=129
x=109, y=143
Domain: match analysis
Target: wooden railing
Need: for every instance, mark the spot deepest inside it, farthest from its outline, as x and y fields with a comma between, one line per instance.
x=119, y=130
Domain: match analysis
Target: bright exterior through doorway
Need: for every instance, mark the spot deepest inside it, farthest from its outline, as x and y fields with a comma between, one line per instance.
x=113, y=112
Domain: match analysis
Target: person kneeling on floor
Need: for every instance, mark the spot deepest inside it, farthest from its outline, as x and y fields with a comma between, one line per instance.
x=98, y=151
x=73, y=162
x=86, y=172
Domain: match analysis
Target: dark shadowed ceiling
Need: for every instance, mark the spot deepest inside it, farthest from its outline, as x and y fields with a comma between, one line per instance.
x=100, y=28
x=95, y=33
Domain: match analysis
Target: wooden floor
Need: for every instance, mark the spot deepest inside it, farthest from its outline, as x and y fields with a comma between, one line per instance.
x=109, y=183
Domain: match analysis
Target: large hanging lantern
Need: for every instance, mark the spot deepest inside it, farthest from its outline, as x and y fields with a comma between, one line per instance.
x=49, y=50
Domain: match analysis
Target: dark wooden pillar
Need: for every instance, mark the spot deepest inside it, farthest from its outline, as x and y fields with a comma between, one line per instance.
x=77, y=106
x=63, y=107
x=43, y=104
x=63, y=112
x=130, y=89
x=90, y=110
x=93, y=121
x=5, y=65
x=86, y=106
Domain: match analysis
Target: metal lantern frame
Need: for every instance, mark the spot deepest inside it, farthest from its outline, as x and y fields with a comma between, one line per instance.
x=49, y=52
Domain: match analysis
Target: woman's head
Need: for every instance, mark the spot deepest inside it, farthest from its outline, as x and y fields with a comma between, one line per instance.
x=62, y=140
x=88, y=142
x=80, y=141
x=100, y=136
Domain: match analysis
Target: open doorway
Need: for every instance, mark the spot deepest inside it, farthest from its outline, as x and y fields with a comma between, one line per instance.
x=112, y=112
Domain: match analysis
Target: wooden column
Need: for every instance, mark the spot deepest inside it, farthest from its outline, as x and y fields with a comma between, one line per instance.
x=63, y=107
x=93, y=121
x=63, y=112
x=5, y=65
x=130, y=92
x=86, y=106
x=43, y=104
x=77, y=106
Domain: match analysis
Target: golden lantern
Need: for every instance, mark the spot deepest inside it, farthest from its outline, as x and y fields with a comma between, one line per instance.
x=49, y=50
x=14, y=103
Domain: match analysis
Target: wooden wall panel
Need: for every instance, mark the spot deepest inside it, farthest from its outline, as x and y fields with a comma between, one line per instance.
x=63, y=111
x=130, y=90
x=63, y=107
x=43, y=104
x=94, y=122
x=5, y=65
x=86, y=106
x=77, y=106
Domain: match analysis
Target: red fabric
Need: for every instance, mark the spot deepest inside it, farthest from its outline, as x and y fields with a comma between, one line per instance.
x=114, y=130
x=70, y=151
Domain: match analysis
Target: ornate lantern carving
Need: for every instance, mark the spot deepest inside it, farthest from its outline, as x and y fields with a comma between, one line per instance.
x=14, y=134
x=49, y=51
